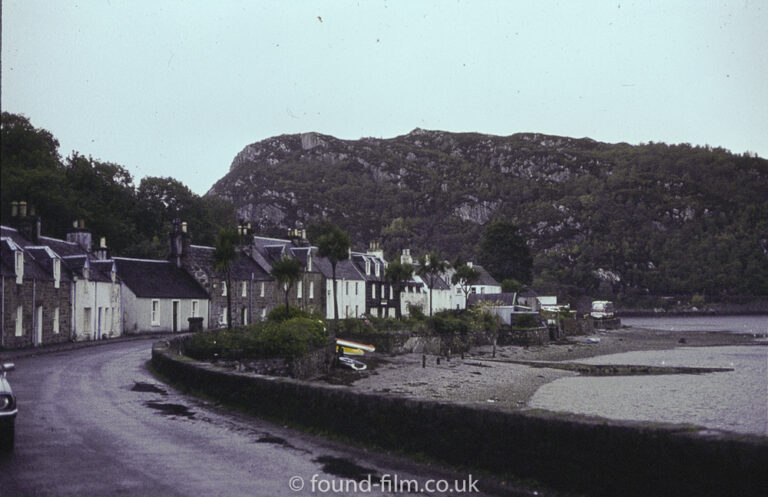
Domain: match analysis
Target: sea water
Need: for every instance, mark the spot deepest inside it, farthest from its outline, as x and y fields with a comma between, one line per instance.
x=733, y=401
x=733, y=324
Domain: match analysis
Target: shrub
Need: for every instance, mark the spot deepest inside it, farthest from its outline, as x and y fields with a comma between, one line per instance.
x=444, y=323
x=527, y=321
x=415, y=311
x=280, y=314
x=288, y=339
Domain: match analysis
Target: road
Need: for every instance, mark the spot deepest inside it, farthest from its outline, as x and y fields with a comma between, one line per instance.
x=95, y=422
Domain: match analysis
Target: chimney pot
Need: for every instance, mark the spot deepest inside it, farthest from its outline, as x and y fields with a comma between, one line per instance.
x=14, y=209
x=103, y=242
x=184, y=227
x=22, y=209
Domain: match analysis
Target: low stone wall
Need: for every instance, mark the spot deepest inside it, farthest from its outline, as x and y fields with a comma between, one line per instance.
x=532, y=336
x=562, y=451
x=577, y=326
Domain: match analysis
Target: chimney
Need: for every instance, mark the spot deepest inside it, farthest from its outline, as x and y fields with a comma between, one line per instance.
x=102, y=253
x=179, y=242
x=374, y=249
x=405, y=257
x=23, y=218
x=80, y=235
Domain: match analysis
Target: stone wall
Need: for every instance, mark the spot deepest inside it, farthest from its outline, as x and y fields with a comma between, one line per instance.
x=532, y=336
x=31, y=295
x=574, y=453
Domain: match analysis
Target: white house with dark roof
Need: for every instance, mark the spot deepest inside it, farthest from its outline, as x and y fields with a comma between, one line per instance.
x=486, y=284
x=159, y=297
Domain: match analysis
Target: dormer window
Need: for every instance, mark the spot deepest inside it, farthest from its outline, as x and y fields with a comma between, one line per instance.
x=309, y=260
x=56, y=273
x=19, y=262
x=378, y=269
x=223, y=288
x=367, y=267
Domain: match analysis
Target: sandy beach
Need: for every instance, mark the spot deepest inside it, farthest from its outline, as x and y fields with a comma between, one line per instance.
x=477, y=379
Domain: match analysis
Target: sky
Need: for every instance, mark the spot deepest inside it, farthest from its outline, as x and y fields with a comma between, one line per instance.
x=178, y=88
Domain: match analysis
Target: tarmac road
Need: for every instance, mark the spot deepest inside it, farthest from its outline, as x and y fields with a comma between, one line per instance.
x=95, y=422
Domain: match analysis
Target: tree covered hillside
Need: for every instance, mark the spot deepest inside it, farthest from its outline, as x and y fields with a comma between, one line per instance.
x=612, y=220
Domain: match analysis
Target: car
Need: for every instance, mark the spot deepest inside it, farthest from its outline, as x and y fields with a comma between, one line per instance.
x=8, y=409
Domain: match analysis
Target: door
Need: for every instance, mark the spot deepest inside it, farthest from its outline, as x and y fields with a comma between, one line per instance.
x=39, y=326
x=175, y=316
x=99, y=321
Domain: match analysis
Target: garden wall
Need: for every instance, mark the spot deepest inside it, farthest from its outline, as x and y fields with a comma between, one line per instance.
x=571, y=452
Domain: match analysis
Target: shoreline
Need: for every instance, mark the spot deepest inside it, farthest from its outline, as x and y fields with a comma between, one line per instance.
x=510, y=385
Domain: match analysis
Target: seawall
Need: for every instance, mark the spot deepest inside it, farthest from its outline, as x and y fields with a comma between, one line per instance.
x=576, y=453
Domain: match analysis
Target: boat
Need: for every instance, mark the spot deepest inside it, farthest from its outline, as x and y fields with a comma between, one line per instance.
x=352, y=351
x=355, y=345
x=352, y=363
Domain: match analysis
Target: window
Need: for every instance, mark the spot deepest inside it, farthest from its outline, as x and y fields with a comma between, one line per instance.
x=19, y=321
x=244, y=289
x=19, y=260
x=155, y=312
x=391, y=293
x=311, y=290
x=56, y=272
x=367, y=267
x=263, y=313
x=224, y=315
x=223, y=288
x=346, y=312
x=299, y=289
x=87, y=325
x=194, y=308
x=373, y=291
x=55, y=319
x=261, y=290
x=244, y=316
x=309, y=261
x=357, y=310
x=378, y=268
x=347, y=286
x=357, y=285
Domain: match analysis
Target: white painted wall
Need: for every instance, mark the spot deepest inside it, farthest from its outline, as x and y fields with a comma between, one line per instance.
x=96, y=310
x=351, y=298
x=137, y=313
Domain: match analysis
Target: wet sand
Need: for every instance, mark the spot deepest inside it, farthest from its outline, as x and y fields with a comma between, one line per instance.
x=473, y=379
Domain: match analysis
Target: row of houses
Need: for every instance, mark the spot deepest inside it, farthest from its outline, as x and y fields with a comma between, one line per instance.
x=56, y=290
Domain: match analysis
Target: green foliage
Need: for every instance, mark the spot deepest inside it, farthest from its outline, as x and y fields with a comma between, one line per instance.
x=511, y=285
x=332, y=242
x=449, y=323
x=465, y=276
x=430, y=269
x=527, y=321
x=504, y=253
x=287, y=339
x=286, y=271
x=280, y=314
x=415, y=311
x=135, y=221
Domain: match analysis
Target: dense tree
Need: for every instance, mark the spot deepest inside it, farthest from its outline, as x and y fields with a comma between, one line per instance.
x=224, y=255
x=286, y=271
x=431, y=268
x=332, y=242
x=504, y=253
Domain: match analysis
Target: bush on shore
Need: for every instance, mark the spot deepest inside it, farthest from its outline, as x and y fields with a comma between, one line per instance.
x=287, y=338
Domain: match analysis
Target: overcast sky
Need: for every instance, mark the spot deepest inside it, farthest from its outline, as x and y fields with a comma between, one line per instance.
x=178, y=88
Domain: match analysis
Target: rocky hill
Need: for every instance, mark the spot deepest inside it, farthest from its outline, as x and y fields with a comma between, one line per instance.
x=603, y=219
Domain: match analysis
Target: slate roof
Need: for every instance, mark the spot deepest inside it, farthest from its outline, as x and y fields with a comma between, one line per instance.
x=485, y=278
x=243, y=267
x=44, y=256
x=32, y=269
x=505, y=298
x=159, y=279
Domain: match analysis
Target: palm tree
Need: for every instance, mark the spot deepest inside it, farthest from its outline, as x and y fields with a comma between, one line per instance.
x=430, y=269
x=332, y=243
x=224, y=255
x=398, y=273
x=287, y=271
x=465, y=276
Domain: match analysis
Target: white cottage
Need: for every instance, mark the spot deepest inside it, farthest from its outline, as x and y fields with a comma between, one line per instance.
x=159, y=297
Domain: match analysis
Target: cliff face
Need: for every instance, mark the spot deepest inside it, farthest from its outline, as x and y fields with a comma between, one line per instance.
x=604, y=218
